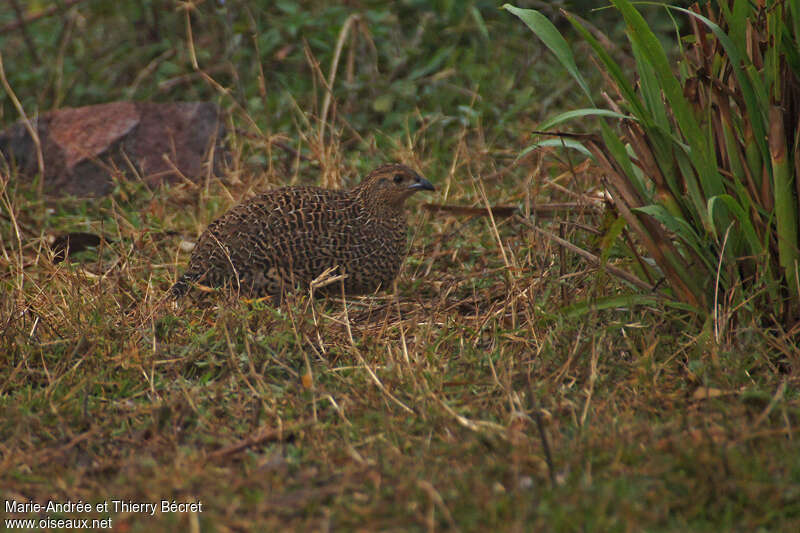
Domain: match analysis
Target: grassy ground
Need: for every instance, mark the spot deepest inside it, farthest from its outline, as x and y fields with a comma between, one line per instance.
x=468, y=398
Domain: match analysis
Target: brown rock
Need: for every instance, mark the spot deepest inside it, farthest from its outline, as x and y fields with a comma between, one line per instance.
x=83, y=147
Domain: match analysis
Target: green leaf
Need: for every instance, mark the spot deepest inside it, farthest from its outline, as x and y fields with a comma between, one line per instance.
x=435, y=62
x=580, y=113
x=741, y=216
x=610, y=237
x=623, y=303
x=383, y=103
x=478, y=18
x=547, y=32
x=616, y=73
x=650, y=89
x=565, y=143
x=682, y=229
x=621, y=156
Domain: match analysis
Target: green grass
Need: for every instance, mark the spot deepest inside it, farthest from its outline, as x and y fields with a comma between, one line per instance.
x=411, y=410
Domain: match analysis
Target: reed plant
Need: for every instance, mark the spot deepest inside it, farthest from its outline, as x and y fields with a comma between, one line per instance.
x=700, y=155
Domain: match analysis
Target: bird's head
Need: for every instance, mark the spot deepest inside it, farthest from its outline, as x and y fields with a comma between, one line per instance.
x=390, y=186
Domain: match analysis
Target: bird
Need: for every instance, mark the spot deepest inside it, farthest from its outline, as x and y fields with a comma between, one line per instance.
x=285, y=238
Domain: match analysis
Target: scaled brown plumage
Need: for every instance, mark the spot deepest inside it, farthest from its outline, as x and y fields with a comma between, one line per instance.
x=287, y=237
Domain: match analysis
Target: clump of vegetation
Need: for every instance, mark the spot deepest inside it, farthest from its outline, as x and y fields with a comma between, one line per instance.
x=706, y=171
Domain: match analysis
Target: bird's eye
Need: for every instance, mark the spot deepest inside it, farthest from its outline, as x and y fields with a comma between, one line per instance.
x=398, y=178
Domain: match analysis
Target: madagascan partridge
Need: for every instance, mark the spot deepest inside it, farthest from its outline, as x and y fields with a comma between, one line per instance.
x=287, y=237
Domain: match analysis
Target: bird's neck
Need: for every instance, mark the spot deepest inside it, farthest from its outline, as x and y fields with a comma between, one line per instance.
x=384, y=212
x=376, y=207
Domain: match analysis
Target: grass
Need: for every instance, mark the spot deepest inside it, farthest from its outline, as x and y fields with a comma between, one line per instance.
x=686, y=168
x=463, y=399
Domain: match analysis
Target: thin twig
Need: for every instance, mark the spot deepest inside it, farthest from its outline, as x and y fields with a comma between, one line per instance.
x=717, y=328
x=537, y=418
x=265, y=435
x=503, y=171
x=188, y=6
x=25, y=35
x=36, y=16
x=627, y=276
x=28, y=126
x=502, y=211
x=562, y=265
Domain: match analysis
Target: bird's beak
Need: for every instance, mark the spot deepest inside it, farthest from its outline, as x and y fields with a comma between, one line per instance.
x=421, y=184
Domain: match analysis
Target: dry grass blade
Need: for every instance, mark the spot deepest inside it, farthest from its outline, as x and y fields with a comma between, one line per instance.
x=33, y=132
x=264, y=435
x=593, y=259
x=351, y=21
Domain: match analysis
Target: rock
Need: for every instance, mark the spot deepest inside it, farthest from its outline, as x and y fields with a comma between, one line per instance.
x=83, y=148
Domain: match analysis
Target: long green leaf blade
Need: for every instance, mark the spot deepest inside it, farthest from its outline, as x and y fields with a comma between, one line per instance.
x=548, y=33
x=580, y=113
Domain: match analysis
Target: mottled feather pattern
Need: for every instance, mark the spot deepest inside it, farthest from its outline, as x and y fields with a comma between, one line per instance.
x=287, y=237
